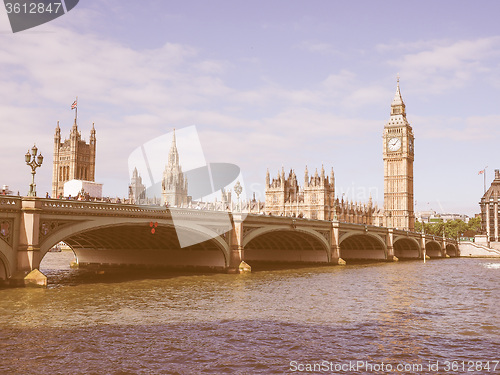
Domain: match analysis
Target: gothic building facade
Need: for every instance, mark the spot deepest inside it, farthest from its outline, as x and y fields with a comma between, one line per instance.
x=74, y=159
x=490, y=205
x=174, y=185
x=315, y=200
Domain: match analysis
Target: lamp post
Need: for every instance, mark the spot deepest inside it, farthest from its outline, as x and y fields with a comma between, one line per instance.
x=238, y=189
x=34, y=162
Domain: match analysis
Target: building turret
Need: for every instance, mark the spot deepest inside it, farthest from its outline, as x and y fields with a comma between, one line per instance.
x=137, y=190
x=57, y=135
x=74, y=131
x=92, y=144
x=55, y=165
x=92, y=133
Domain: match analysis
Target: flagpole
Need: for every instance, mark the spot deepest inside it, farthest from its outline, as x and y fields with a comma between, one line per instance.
x=485, y=178
x=76, y=111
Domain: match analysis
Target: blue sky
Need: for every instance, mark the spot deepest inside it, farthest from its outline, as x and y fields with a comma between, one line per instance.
x=268, y=84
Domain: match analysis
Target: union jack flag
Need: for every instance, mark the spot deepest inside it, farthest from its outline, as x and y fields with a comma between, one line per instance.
x=73, y=106
x=481, y=172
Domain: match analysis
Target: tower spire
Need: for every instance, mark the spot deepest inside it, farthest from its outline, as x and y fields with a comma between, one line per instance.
x=58, y=131
x=398, y=106
x=173, y=157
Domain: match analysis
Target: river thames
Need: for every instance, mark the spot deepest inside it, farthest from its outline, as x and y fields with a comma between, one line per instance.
x=405, y=317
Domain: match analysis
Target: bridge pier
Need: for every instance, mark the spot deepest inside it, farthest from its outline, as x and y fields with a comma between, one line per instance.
x=236, y=249
x=422, y=247
x=28, y=249
x=335, y=245
x=390, y=245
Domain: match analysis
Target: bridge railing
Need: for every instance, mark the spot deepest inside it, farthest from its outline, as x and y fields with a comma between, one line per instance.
x=104, y=208
x=67, y=205
x=9, y=203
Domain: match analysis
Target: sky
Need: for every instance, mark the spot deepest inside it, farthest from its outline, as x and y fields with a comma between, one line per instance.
x=268, y=84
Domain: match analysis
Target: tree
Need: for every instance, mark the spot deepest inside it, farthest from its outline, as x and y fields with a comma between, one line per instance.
x=475, y=224
x=452, y=228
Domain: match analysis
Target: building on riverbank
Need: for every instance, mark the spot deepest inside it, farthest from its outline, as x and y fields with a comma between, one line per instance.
x=490, y=217
x=74, y=159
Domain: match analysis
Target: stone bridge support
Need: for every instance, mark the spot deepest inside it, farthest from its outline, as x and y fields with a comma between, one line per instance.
x=390, y=245
x=422, y=247
x=28, y=249
x=335, y=245
x=236, y=250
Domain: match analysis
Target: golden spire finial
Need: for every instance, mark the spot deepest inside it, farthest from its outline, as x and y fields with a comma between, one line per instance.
x=397, y=77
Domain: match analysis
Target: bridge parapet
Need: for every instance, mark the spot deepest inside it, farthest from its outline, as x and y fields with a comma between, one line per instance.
x=8, y=203
x=80, y=207
x=117, y=209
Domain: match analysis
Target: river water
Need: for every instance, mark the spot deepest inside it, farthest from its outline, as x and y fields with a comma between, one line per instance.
x=406, y=317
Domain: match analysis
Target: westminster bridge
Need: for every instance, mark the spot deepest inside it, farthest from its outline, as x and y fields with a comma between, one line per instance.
x=112, y=234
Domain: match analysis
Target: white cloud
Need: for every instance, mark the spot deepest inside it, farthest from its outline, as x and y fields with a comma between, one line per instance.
x=440, y=66
x=471, y=128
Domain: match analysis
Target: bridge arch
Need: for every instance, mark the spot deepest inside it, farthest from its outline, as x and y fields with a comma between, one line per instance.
x=406, y=248
x=5, y=265
x=4, y=268
x=451, y=250
x=433, y=249
x=366, y=246
x=122, y=241
x=284, y=244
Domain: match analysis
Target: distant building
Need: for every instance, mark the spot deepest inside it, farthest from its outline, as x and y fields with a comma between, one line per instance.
x=434, y=217
x=450, y=217
x=74, y=159
x=426, y=216
x=136, y=189
x=490, y=221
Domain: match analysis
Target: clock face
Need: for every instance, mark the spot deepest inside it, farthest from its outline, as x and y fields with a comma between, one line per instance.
x=411, y=145
x=394, y=144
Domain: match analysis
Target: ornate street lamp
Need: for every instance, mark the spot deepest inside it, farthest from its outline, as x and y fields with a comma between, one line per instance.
x=238, y=189
x=34, y=162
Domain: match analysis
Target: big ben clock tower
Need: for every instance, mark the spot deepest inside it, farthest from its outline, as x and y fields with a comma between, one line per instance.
x=398, y=167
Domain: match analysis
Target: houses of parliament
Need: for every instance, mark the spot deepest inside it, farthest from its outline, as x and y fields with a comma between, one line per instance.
x=316, y=198
x=75, y=159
